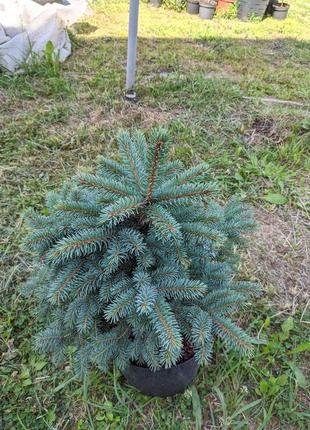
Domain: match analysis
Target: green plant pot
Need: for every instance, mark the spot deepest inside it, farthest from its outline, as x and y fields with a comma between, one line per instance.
x=280, y=11
x=193, y=7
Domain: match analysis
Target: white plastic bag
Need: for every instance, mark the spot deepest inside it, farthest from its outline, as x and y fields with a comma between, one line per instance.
x=26, y=27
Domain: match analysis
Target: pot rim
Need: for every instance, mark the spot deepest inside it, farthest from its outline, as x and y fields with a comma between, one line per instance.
x=281, y=6
x=163, y=368
x=207, y=5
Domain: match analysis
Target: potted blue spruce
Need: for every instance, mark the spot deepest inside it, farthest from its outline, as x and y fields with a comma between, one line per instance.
x=135, y=265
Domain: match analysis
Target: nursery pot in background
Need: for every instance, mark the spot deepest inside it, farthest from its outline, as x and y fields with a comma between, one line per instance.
x=162, y=382
x=206, y=9
x=155, y=3
x=193, y=7
x=269, y=10
x=243, y=9
x=280, y=10
x=248, y=8
x=224, y=4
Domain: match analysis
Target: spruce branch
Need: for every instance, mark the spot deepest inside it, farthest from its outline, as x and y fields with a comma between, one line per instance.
x=182, y=288
x=169, y=169
x=121, y=210
x=232, y=335
x=110, y=168
x=41, y=239
x=74, y=208
x=184, y=194
x=153, y=173
x=145, y=298
x=77, y=245
x=35, y=220
x=166, y=326
x=120, y=307
x=89, y=282
x=200, y=230
x=196, y=173
x=226, y=304
x=103, y=346
x=114, y=188
x=132, y=161
x=201, y=336
x=87, y=314
x=165, y=226
x=59, y=289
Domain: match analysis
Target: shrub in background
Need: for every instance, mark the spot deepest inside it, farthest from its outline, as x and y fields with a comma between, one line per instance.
x=175, y=4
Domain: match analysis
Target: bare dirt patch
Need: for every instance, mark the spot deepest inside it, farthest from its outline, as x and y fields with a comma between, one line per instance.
x=262, y=130
x=279, y=256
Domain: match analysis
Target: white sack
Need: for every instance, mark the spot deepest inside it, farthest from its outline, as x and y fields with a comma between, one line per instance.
x=26, y=27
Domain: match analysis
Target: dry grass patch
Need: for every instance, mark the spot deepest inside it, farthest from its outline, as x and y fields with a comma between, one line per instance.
x=264, y=129
x=279, y=255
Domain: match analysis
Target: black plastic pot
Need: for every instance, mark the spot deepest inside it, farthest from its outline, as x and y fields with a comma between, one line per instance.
x=155, y=3
x=280, y=10
x=269, y=10
x=193, y=7
x=162, y=382
x=206, y=11
x=248, y=8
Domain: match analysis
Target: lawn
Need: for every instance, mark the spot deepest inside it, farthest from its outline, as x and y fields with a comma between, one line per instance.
x=233, y=94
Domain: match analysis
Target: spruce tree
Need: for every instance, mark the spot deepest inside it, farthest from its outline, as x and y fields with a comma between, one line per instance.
x=136, y=260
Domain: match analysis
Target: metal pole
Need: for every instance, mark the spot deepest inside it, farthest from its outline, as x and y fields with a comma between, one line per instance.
x=132, y=49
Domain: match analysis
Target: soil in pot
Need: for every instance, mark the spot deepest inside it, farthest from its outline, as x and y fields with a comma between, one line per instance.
x=193, y=7
x=206, y=9
x=280, y=10
x=164, y=382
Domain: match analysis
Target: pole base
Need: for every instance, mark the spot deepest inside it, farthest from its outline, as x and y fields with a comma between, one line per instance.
x=131, y=96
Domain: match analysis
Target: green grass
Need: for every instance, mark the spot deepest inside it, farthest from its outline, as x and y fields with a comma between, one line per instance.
x=192, y=78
